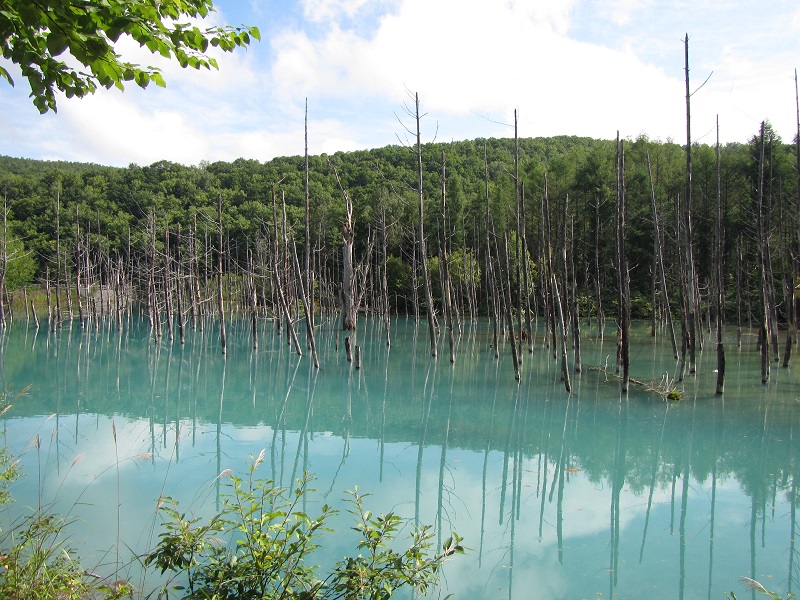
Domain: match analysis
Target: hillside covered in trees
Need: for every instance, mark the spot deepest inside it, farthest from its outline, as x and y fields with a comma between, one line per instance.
x=156, y=231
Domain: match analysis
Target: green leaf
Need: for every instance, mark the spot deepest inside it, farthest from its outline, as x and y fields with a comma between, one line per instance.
x=56, y=43
x=5, y=75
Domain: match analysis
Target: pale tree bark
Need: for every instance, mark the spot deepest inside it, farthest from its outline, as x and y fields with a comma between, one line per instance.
x=179, y=289
x=493, y=302
x=794, y=300
x=660, y=262
x=3, y=261
x=576, y=324
x=444, y=267
x=276, y=281
x=309, y=276
x=167, y=303
x=622, y=272
x=762, y=269
x=384, y=282
x=518, y=245
x=691, y=299
x=223, y=338
x=426, y=280
x=306, y=308
x=507, y=298
x=348, y=270
x=526, y=279
x=718, y=255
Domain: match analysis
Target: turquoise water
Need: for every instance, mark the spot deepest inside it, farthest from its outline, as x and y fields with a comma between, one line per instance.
x=587, y=495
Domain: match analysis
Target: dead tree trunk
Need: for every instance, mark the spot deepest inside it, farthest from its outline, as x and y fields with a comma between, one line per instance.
x=601, y=317
x=660, y=262
x=57, y=319
x=691, y=300
x=3, y=261
x=718, y=252
x=492, y=298
x=384, y=282
x=507, y=298
x=78, y=259
x=348, y=271
x=445, y=270
x=426, y=280
x=179, y=289
x=518, y=242
x=276, y=281
x=526, y=279
x=167, y=302
x=622, y=272
x=309, y=277
x=761, y=235
x=220, y=300
x=576, y=322
x=306, y=309
x=794, y=300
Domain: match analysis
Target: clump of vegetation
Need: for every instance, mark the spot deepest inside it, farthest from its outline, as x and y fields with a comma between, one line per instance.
x=259, y=544
x=755, y=586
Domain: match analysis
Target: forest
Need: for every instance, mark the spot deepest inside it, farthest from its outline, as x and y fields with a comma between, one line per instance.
x=617, y=229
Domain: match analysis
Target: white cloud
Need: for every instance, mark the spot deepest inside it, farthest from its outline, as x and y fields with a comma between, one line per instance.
x=571, y=67
x=323, y=10
x=484, y=57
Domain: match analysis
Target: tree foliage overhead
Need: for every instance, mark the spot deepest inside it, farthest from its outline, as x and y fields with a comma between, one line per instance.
x=71, y=45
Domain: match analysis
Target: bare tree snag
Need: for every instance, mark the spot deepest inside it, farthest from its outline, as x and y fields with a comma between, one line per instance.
x=426, y=280
x=718, y=256
x=622, y=272
x=444, y=268
x=691, y=299
x=223, y=339
x=660, y=261
x=761, y=234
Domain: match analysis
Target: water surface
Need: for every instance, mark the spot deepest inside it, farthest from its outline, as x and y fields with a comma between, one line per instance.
x=582, y=495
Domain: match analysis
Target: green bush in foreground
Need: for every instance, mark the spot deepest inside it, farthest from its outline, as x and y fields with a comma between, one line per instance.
x=257, y=546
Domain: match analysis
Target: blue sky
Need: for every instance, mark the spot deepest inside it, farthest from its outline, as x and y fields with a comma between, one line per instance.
x=577, y=67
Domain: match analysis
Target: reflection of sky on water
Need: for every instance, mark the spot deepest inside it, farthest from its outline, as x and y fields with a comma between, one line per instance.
x=511, y=481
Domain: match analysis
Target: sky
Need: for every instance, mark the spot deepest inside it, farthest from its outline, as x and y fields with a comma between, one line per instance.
x=567, y=67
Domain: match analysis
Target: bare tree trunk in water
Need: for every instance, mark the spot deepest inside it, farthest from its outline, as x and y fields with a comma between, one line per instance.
x=306, y=308
x=762, y=268
x=507, y=297
x=4, y=261
x=491, y=279
x=444, y=268
x=518, y=249
x=223, y=339
x=576, y=322
x=691, y=301
x=622, y=272
x=526, y=272
x=348, y=271
x=179, y=290
x=601, y=318
x=718, y=251
x=426, y=282
x=277, y=285
x=384, y=282
x=660, y=262
x=794, y=301
x=309, y=278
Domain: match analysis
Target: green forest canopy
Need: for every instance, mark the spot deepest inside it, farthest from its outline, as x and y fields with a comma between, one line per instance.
x=111, y=207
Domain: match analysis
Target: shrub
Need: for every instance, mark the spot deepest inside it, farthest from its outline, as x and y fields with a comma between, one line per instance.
x=259, y=544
